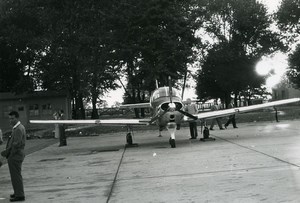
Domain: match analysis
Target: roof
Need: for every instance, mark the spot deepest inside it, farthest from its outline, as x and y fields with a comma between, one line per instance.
x=39, y=94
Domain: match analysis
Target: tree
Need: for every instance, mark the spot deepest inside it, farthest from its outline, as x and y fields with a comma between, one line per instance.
x=78, y=50
x=288, y=17
x=19, y=45
x=241, y=34
x=155, y=41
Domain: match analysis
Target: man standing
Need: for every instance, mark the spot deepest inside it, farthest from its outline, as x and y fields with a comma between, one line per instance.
x=62, y=133
x=15, y=156
x=59, y=115
x=192, y=109
x=231, y=117
x=216, y=107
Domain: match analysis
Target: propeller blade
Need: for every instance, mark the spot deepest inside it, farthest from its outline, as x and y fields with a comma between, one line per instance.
x=156, y=117
x=170, y=90
x=188, y=115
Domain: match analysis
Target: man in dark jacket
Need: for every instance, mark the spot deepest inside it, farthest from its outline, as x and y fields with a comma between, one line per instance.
x=15, y=156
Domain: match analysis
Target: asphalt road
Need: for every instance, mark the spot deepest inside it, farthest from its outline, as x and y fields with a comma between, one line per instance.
x=258, y=162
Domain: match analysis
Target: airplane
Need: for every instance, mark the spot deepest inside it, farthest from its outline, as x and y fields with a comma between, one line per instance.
x=168, y=113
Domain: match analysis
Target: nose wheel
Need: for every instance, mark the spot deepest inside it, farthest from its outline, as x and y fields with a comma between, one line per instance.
x=129, y=138
x=172, y=143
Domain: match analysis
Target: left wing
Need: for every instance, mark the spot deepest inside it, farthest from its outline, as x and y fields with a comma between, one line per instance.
x=96, y=121
x=227, y=112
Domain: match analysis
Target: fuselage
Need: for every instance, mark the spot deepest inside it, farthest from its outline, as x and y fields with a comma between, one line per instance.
x=166, y=105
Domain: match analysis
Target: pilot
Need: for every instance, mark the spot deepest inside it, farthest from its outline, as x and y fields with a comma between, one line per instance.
x=192, y=109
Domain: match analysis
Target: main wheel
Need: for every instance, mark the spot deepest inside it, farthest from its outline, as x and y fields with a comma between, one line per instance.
x=172, y=143
x=129, y=139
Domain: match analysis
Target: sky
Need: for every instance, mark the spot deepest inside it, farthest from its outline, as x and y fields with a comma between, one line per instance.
x=277, y=63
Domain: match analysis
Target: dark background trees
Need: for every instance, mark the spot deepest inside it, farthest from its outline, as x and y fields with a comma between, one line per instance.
x=288, y=16
x=242, y=35
x=84, y=47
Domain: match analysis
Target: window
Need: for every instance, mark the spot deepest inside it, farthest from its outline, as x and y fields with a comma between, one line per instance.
x=47, y=109
x=34, y=110
x=7, y=110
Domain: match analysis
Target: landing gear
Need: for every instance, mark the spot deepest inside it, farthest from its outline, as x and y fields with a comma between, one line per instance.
x=129, y=138
x=171, y=127
x=206, y=135
x=172, y=143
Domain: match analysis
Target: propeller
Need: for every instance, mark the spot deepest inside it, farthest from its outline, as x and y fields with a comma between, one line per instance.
x=188, y=114
x=157, y=116
x=170, y=90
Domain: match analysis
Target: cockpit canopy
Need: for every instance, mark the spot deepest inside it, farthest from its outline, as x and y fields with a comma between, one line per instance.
x=164, y=92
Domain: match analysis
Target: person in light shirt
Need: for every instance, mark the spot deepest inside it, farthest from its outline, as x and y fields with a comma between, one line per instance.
x=192, y=108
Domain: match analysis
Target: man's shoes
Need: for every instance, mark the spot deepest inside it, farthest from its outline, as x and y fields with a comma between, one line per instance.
x=17, y=199
x=235, y=127
x=222, y=128
x=12, y=196
x=211, y=129
x=192, y=138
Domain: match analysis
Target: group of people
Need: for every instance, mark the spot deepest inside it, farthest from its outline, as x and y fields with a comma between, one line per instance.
x=192, y=108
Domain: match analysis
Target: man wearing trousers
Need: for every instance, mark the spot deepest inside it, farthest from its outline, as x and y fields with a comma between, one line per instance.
x=15, y=156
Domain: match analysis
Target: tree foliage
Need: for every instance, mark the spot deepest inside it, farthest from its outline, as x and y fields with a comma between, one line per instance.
x=241, y=34
x=288, y=17
x=155, y=41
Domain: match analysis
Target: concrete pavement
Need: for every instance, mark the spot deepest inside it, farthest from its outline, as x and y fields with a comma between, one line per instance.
x=258, y=162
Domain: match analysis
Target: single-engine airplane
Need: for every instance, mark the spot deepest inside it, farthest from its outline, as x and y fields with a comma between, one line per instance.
x=168, y=112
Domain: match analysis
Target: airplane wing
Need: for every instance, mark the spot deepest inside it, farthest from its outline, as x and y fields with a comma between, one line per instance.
x=227, y=112
x=138, y=105
x=96, y=121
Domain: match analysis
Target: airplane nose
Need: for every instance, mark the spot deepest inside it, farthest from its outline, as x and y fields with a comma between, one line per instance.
x=172, y=118
x=172, y=106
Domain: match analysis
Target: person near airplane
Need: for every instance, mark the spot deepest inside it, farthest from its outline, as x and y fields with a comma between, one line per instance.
x=59, y=115
x=192, y=108
x=231, y=118
x=216, y=106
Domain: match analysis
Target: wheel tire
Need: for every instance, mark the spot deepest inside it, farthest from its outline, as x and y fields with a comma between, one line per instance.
x=129, y=138
x=172, y=143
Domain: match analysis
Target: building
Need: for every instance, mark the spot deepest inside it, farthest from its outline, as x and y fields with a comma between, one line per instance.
x=36, y=105
x=284, y=91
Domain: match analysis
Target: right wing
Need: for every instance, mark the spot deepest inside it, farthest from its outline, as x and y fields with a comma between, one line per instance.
x=227, y=112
